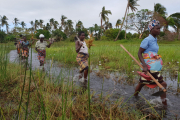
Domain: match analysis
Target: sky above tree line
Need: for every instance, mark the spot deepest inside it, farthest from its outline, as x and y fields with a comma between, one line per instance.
x=86, y=11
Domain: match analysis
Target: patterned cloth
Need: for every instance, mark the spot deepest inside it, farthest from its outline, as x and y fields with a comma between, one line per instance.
x=41, y=56
x=82, y=60
x=154, y=64
x=25, y=52
x=152, y=24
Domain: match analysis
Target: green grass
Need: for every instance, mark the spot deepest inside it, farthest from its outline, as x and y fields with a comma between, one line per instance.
x=27, y=94
x=112, y=56
x=33, y=95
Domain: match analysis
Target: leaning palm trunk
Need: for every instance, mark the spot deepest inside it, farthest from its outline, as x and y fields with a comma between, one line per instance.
x=101, y=25
x=123, y=21
x=126, y=22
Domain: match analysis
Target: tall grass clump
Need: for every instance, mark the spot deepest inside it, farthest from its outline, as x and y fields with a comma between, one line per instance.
x=31, y=94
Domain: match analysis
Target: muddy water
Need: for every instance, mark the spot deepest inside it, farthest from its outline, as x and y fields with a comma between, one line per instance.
x=114, y=85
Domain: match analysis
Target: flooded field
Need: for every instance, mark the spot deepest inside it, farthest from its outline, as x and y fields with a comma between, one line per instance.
x=116, y=85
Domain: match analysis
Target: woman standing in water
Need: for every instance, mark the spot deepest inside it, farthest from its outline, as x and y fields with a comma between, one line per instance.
x=82, y=56
x=25, y=50
x=40, y=47
x=150, y=60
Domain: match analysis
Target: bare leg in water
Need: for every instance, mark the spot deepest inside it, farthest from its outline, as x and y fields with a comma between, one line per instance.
x=85, y=74
x=163, y=96
x=41, y=64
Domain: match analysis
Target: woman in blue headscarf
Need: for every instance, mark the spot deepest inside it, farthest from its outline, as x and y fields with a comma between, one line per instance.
x=150, y=60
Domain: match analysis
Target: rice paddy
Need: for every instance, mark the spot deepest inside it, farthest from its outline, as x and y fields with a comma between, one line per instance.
x=33, y=94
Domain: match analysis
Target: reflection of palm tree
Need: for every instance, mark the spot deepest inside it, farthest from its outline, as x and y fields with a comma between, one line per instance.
x=131, y=4
x=4, y=22
x=104, y=13
x=62, y=21
x=23, y=24
x=41, y=23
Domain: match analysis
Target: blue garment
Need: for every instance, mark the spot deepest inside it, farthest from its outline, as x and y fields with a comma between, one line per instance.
x=150, y=44
x=25, y=44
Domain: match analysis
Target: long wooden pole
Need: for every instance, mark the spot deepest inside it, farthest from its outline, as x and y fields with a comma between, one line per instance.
x=142, y=68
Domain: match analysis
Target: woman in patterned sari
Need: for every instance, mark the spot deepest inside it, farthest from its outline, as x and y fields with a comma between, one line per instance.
x=40, y=47
x=150, y=60
x=82, y=57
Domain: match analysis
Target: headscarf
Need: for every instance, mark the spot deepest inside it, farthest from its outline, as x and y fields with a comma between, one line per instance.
x=41, y=36
x=152, y=24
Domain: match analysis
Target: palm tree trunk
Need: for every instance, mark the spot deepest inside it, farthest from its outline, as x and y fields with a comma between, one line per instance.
x=126, y=22
x=7, y=29
x=123, y=21
x=177, y=33
x=101, y=25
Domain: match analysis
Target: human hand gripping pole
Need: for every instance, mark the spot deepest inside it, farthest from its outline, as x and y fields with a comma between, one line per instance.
x=160, y=86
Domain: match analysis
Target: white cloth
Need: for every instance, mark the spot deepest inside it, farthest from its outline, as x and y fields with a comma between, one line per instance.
x=41, y=36
x=41, y=46
x=84, y=48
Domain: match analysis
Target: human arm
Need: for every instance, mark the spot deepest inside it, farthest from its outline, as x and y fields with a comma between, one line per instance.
x=49, y=45
x=141, y=50
x=78, y=46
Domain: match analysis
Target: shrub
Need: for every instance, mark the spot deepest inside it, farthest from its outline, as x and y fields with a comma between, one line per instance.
x=129, y=36
x=59, y=35
x=112, y=34
x=10, y=37
x=2, y=36
x=46, y=33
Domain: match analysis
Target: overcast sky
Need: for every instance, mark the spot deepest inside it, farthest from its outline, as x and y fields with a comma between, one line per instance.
x=85, y=10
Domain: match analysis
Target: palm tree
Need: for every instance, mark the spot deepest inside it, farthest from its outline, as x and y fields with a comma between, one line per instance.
x=48, y=27
x=55, y=24
x=118, y=23
x=36, y=24
x=16, y=22
x=70, y=24
x=51, y=21
x=7, y=27
x=176, y=18
x=91, y=29
x=62, y=21
x=79, y=25
x=131, y=4
x=23, y=24
x=107, y=25
x=160, y=9
x=4, y=22
x=32, y=26
x=104, y=16
x=41, y=23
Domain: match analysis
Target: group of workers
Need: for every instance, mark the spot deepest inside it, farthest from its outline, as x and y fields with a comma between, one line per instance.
x=147, y=54
x=23, y=45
